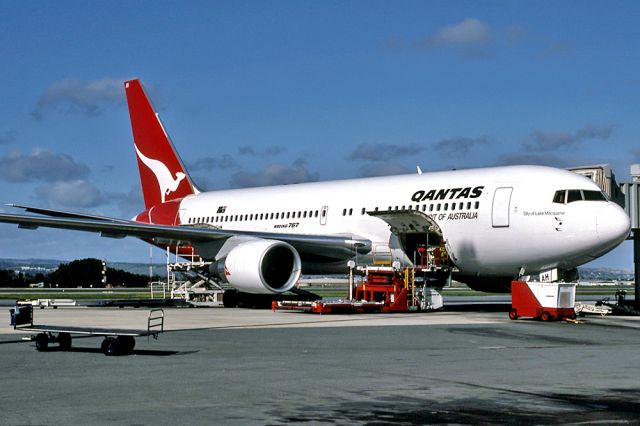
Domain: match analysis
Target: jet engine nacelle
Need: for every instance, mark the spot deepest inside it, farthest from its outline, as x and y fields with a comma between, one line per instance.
x=260, y=267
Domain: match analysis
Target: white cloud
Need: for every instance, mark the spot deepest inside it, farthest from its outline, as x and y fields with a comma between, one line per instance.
x=382, y=152
x=74, y=194
x=473, y=38
x=40, y=165
x=130, y=203
x=80, y=96
x=276, y=174
x=459, y=147
x=213, y=163
x=269, y=151
x=469, y=32
x=540, y=141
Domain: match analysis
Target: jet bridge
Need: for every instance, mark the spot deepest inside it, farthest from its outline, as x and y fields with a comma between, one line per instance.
x=627, y=195
x=631, y=193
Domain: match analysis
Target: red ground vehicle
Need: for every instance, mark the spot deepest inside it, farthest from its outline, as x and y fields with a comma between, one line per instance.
x=545, y=301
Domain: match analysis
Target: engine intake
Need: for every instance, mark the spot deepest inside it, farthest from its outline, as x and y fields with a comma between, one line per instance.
x=260, y=267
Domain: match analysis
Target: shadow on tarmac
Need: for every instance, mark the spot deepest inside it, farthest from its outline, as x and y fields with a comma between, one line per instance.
x=508, y=407
x=477, y=307
x=142, y=352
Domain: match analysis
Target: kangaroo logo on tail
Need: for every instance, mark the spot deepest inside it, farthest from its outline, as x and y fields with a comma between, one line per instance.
x=166, y=181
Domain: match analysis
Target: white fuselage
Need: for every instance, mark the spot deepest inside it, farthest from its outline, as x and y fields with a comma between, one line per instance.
x=496, y=221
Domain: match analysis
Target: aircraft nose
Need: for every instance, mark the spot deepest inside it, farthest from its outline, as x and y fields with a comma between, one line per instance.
x=612, y=224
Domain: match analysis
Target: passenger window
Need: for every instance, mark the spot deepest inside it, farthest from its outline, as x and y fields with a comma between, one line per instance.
x=446, y=206
x=453, y=206
x=350, y=212
x=438, y=207
x=344, y=212
x=430, y=207
x=559, y=197
x=461, y=206
x=574, y=195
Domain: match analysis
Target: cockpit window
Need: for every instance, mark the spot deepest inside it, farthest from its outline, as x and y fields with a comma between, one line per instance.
x=559, y=197
x=574, y=195
x=571, y=195
x=594, y=196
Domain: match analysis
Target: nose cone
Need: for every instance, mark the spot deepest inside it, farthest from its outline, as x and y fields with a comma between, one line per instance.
x=612, y=224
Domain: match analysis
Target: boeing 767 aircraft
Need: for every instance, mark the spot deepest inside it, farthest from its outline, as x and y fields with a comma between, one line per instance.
x=493, y=224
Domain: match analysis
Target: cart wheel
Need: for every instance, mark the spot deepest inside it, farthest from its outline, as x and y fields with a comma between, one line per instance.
x=125, y=344
x=109, y=346
x=513, y=314
x=42, y=342
x=64, y=339
x=545, y=316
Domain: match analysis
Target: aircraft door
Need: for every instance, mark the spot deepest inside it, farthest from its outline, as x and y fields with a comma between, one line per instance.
x=181, y=217
x=501, y=206
x=323, y=215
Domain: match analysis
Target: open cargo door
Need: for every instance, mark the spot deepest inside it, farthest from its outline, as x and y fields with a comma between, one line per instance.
x=420, y=236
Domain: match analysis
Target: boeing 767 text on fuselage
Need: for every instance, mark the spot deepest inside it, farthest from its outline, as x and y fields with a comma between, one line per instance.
x=493, y=223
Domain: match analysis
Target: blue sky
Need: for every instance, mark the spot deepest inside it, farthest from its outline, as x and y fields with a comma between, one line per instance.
x=257, y=93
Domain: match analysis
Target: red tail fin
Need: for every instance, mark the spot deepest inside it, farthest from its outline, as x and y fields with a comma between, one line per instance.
x=162, y=174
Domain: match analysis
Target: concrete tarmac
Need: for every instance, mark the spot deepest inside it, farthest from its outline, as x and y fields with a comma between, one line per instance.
x=237, y=366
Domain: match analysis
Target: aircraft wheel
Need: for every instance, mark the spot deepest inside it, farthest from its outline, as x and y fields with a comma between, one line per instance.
x=545, y=316
x=230, y=299
x=513, y=314
x=64, y=340
x=42, y=342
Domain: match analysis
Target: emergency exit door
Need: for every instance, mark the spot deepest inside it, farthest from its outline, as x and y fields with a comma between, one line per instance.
x=501, y=206
x=323, y=215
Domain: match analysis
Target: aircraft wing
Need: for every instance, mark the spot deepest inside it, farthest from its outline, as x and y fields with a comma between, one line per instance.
x=62, y=213
x=339, y=246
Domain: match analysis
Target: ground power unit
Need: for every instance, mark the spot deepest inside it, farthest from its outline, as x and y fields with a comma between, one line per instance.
x=544, y=301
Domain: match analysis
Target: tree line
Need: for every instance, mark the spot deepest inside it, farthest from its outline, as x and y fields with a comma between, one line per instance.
x=78, y=273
